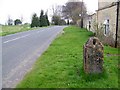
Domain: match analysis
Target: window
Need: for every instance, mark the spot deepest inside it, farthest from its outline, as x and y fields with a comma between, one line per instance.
x=89, y=25
x=106, y=26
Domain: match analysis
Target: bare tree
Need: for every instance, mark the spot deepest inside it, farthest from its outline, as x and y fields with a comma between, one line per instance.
x=21, y=19
x=57, y=10
x=56, y=14
x=10, y=21
x=72, y=10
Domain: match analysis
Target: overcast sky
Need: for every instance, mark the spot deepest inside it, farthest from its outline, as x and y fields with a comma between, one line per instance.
x=25, y=8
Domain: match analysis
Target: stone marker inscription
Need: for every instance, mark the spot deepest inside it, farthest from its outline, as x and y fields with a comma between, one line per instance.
x=93, y=56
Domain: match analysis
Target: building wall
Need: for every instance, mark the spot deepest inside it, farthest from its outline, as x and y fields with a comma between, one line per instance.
x=104, y=3
x=89, y=18
x=107, y=9
x=94, y=22
x=108, y=13
x=119, y=27
x=85, y=22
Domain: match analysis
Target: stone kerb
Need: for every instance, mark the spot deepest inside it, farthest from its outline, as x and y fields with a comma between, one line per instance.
x=93, y=56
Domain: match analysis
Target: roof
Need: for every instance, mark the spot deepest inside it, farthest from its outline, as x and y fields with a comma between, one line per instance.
x=108, y=6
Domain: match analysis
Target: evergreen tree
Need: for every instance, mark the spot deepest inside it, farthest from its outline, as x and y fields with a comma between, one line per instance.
x=42, y=20
x=35, y=20
x=45, y=21
x=46, y=16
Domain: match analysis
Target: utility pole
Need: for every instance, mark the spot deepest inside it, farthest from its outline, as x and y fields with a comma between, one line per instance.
x=118, y=3
x=82, y=15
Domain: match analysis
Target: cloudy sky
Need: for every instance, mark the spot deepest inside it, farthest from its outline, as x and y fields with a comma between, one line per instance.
x=25, y=8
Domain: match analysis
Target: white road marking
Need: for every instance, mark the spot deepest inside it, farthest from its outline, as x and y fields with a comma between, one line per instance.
x=16, y=38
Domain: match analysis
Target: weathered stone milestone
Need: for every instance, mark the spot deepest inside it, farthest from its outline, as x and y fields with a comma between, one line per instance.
x=93, y=56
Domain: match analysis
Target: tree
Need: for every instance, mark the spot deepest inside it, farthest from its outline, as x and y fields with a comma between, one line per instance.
x=35, y=20
x=57, y=10
x=62, y=22
x=57, y=15
x=46, y=16
x=68, y=22
x=10, y=21
x=17, y=22
x=42, y=19
x=21, y=19
x=44, y=23
x=56, y=19
x=74, y=10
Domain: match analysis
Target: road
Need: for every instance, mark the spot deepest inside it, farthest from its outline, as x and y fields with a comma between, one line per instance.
x=21, y=50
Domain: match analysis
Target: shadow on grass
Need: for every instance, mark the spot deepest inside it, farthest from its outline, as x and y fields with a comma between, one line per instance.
x=89, y=77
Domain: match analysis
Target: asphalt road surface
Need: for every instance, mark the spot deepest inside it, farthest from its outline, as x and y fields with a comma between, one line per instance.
x=21, y=50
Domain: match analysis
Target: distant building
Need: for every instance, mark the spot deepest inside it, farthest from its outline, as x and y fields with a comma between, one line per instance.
x=91, y=22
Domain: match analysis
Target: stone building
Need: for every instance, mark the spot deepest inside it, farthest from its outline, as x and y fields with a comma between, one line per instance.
x=107, y=18
x=119, y=27
x=91, y=22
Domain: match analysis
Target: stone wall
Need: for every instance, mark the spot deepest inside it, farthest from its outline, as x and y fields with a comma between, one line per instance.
x=103, y=15
x=108, y=13
x=107, y=10
x=104, y=3
x=93, y=23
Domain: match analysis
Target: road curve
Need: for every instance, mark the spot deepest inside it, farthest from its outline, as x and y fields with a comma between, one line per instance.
x=20, y=51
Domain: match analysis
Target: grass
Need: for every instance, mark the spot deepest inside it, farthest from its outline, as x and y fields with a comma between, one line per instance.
x=61, y=65
x=6, y=30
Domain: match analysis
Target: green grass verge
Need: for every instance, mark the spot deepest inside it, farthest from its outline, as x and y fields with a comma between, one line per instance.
x=61, y=65
x=6, y=30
